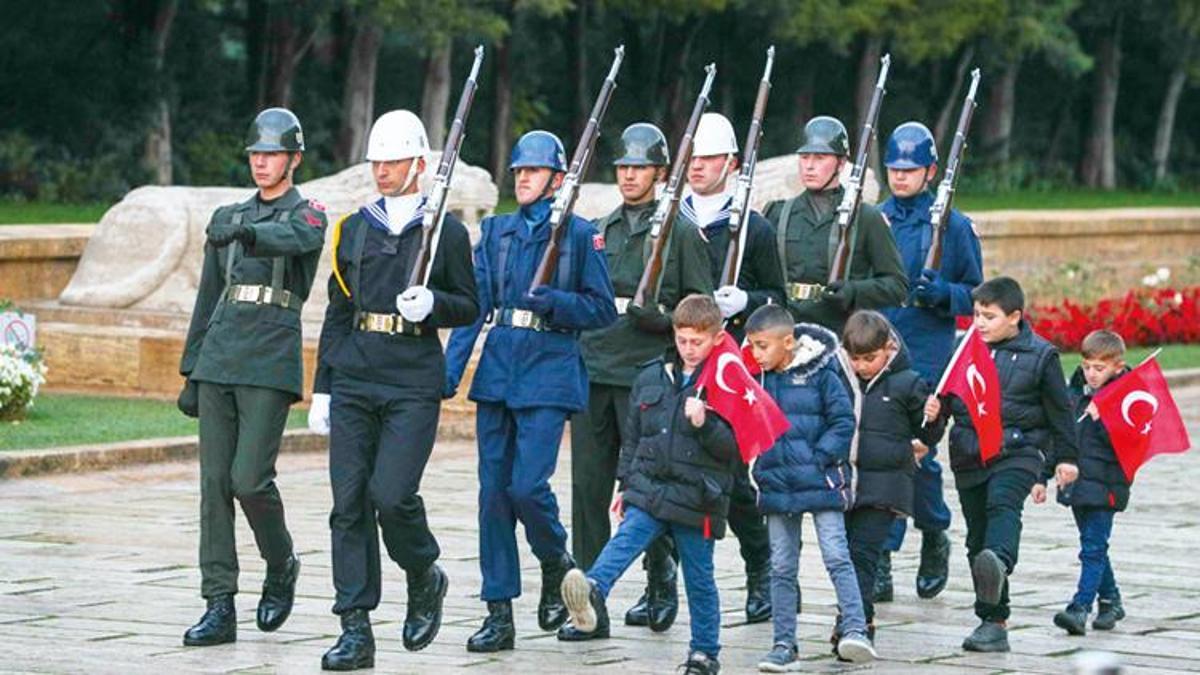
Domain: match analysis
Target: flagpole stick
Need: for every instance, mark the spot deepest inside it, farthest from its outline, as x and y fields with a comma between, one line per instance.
x=1151, y=356
x=937, y=391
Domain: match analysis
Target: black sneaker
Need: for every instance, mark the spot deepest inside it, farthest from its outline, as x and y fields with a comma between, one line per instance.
x=1073, y=619
x=990, y=577
x=988, y=636
x=699, y=663
x=1108, y=613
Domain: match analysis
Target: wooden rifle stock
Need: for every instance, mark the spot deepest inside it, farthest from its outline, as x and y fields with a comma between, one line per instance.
x=939, y=213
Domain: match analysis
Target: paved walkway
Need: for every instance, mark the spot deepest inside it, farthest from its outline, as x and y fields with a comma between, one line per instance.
x=97, y=574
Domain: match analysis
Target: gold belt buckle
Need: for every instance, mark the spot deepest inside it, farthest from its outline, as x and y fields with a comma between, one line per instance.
x=622, y=304
x=246, y=294
x=266, y=295
x=522, y=318
x=379, y=323
x=804, y=291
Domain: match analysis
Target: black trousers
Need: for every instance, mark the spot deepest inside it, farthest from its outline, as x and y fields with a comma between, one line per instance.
x=867, y=531
x=380, y=439
x=992, y=510
x=596, y=436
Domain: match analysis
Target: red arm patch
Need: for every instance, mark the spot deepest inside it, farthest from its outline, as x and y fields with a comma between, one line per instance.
x=598, y=242
x=318, y=205
x=313, y=219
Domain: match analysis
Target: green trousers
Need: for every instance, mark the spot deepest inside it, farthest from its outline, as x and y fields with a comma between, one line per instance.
x=240, y=431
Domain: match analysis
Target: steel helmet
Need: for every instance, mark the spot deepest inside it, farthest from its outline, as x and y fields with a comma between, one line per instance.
x=911, y=146
x=714, y=136
x=398, y=134
x=538, y=149
x=825, y=135
x=275, y=130
x=643, y=144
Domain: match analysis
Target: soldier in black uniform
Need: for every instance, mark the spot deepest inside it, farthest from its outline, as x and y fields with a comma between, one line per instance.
x=242, y=361
x=613, y=354
x=378, y=390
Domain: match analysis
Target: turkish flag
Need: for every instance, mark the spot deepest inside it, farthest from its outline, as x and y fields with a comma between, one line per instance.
x=734, y=395
x=971, y=376
x=1141, y=417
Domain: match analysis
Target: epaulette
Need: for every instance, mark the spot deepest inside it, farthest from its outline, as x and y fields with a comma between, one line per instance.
x=337, y=238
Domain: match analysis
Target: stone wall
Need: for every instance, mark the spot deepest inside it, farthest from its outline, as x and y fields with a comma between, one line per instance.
x=37, y=261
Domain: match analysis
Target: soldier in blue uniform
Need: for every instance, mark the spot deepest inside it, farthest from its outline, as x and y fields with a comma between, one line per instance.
x=530, y=377
x=378, y=389
x=926, y=323
x=243, y=369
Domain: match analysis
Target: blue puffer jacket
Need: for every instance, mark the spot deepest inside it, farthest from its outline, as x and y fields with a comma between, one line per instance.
x=809, y=469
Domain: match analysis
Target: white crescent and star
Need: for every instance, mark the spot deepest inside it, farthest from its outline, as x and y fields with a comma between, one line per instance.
x=724, y=360
x=974, y=376
x=1134, y=397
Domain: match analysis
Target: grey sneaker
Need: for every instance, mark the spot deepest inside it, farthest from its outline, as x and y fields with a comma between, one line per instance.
x=990, y=577
x=781, y=659
x=856, y=648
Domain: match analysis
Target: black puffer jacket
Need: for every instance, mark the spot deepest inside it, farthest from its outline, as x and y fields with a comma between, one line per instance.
x=892, y=406
x=670, y=469
x=1035, y=409
x=1101, y=481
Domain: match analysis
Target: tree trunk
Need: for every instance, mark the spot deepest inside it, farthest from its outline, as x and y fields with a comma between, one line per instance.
x=805, y=74
x=1166, y=115
x=677, y=78
x=996, y=135
x=435, y=95
x=1064, y=122
x=1099, y=167
x=287, y=43
x=577, y=69
x=358, y=90
x=953, y=101
x=157, y=157
x=501, y=115
x=254, y=29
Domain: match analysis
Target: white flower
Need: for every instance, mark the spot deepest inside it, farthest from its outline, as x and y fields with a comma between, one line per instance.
x=1150, y=280
x=1163, y=273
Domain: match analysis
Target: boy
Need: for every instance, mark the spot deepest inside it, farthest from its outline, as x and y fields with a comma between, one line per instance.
x=682, y=488
x=807, y=471
x=1038, y=434
x=891, y=441
x=1101, y=490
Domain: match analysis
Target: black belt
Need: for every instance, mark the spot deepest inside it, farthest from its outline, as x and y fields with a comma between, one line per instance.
x=525, y=319
x=263, y=295
x=389, y=324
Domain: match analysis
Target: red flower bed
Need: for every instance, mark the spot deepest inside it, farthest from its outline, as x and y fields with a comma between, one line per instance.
x=1141, y=317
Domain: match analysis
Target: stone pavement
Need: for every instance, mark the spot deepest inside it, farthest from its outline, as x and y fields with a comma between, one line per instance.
x=97, y=574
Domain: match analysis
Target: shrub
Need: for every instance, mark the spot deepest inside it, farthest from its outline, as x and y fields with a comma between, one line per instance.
x=1141, y=317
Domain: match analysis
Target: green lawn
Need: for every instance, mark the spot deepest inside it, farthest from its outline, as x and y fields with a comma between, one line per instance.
x=1171, y=357
x=1073, y=199
x=23, y=213
x=66, y=419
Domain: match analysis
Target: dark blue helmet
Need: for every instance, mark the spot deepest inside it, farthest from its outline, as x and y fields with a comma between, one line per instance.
x=910, y=147
x=538, y=149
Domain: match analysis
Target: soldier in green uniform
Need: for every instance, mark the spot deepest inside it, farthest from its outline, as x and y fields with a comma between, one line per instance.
x=243, y=367
x=806, y=234
x=613, y=354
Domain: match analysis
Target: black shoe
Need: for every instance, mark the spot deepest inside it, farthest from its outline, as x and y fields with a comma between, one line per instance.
x=218, y=625
x=356, y=647
x=278, y=594
x=551, y=612
x=990, y=576
x=935, y=563
x=426, y=592
x=699, y=663
x=663, y=599
x=589, y=614
x=1108, y=613
x=1073, y=619
x=758, y=596
x=883, y=578
x=988, y=636
x=497, y=632
x=639, y=614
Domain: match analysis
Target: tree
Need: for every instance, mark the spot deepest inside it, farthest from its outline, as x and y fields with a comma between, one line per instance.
x=1181, y=37
x=283, y=33
x=1098, y=168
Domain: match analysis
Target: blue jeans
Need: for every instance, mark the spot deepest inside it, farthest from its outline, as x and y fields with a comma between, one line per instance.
x=1095, y=572
x=634, y=534
x=930, y=512
x=785, y=565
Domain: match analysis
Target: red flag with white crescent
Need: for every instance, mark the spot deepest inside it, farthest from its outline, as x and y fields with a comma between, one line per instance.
x=1141, y=417
x=732, y=393
x=971, y=376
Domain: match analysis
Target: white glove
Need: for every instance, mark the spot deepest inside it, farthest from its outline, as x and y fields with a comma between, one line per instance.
x=731, y=300
x=415, y=304
x=318, y=414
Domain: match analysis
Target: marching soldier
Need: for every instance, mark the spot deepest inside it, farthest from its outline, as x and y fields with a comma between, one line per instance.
x=613, y=355
x=378, y=389
x=806, y=237
x=927, y=324
x=530, y=377
x=243, y=368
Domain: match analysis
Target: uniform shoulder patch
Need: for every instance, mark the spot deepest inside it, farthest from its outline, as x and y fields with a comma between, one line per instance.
x=598, y=242
x=317, y=204
x=313, y=219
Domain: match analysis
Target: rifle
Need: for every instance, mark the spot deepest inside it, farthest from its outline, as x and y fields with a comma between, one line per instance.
x=564, y=202
x=663, y=219
x=739, y=209
x=939, y=213
x=434, y=213
x=848, y=209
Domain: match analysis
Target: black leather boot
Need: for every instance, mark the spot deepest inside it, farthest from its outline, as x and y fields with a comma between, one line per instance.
x=356, y=647
x=218, y=625
x=663, y=592
x=758, y=596
x=588, y=611
x=497, y=632
x=426, y=592
x=278, y=594
x=639, y=614
x=934, y=570
x=1108, y=613
x=551, y=612
x=883, y=578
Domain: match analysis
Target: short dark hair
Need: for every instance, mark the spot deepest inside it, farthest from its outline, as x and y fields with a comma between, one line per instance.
x=698, y=312
x=770, y=318
x=866, y=331
x=1004, y=292
x=1103, y=344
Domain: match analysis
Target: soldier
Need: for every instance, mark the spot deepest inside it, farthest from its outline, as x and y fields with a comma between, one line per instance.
x=806, y=236
x=530, y=377
x=927, y=324
x=243, y=368
x=378, y=389
x=613, y=355
x=714, y=161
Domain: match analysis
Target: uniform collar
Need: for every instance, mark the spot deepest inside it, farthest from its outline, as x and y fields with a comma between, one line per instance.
x=712, y=219
x=260, y=209
x=638, y=217
x=376, y=214
x=900, y=209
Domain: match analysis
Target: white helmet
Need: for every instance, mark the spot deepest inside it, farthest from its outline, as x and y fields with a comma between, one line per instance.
x=398, y=134
x=714, y=136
